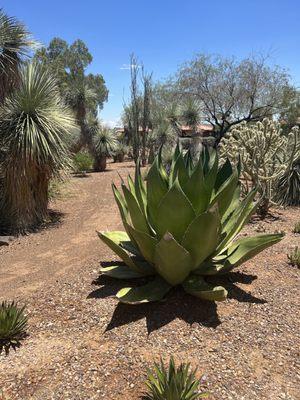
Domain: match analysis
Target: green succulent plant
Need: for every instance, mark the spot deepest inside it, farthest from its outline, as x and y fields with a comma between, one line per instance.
x=181, y=227
x=13, y=324
x=173, y=383
x=294, y=257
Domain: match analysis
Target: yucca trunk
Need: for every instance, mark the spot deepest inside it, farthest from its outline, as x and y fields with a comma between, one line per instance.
x=100, y=163
x=24, y=202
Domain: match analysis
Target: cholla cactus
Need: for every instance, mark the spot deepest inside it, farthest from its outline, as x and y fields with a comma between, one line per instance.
x=265, y=153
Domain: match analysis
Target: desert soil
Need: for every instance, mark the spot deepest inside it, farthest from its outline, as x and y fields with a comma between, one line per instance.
x=82, y=345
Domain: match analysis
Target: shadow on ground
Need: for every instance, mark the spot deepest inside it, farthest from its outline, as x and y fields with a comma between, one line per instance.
x=178, y=304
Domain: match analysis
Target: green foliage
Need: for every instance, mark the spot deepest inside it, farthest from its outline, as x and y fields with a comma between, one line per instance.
x=182, y=225
x=105, y=142
x=173, y=383
x=297, y=227
x=268, y=160
x=82, y=162
x=13, y=325
x=288, y=185
x=15, y=45
x=34, y=127
x=230, y=90
x=294, y=257
x=86, y=94
x=121, y=150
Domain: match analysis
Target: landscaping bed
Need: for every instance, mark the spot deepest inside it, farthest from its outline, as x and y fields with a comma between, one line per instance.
x=82, y=344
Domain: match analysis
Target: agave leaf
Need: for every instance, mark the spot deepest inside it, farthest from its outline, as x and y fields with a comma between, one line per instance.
x=188, y=160
x=138, y=219
x=179, y=171
x=247, y=247
x=237, y=220
x=197, y=286
x=175, y=213
x=223, y=174
x=124, y=214
x=121, y=203
x=196, y=190
x=114, y=241
x=152, y=291
x=235, y=202
x=157, y=187
x=131, y=185
x=128, y=246
x=225, y=193
x=172, y=261
x=120, y=272
x=145, y=242
x=210, y=169
x=202, y=236
x=140, y=189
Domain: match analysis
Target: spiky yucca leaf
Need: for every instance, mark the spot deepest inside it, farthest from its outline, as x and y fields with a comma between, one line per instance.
x=34, y=126
x=173, y=383
x=13, y=325
x=105, y=142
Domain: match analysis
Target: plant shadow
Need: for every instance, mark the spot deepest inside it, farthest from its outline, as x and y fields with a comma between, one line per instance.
x=177, y=305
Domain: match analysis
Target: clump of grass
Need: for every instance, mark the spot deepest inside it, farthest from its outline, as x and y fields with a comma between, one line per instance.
x=294, y=257
x=13, y=325
x=297, y=227
x=176, y=383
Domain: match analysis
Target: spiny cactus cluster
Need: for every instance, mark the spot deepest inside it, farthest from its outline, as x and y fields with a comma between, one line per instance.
x=266, y=155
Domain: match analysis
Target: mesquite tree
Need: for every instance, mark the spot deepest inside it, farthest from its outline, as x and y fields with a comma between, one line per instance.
x=232, y=91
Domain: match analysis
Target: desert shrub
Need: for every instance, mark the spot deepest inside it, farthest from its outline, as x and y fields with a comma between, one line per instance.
x=267, y=159
x=297, y=227
x=82, y=162
x=173, y=383
x=120, y=151
x=294, y=257
x=13, y=325
x=184, y=224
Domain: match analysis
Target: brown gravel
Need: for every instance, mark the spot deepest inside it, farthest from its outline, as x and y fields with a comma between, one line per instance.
x=82, y=345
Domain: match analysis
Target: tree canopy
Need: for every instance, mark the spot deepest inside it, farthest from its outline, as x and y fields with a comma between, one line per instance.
x=69, y=63
x=231, y=91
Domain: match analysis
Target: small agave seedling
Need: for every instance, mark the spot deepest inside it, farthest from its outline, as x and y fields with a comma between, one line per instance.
x=13, y=324
x=173, y=383
x=181, y=227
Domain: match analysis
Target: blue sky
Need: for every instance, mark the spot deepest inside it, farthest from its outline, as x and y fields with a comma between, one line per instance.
x=164, y=33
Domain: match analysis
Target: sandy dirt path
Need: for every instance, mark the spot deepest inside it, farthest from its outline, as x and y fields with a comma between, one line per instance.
x=31, y=262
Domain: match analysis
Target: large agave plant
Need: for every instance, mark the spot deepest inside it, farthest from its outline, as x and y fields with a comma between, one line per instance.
x=13, y=324
x=181, y=227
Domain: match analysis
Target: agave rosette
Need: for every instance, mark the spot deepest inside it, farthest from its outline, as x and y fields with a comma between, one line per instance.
x=180, y=227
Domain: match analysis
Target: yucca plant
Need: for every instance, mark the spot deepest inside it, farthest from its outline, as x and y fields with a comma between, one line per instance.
x=173, y=383
x=294, y=257
x=13, y=325
x=15, y=45
x=181, y=227
x=120, y=151
x=34, y=128
x=105, y=144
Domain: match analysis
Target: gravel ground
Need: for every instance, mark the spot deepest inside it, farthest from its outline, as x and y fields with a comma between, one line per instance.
x=82, y=345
